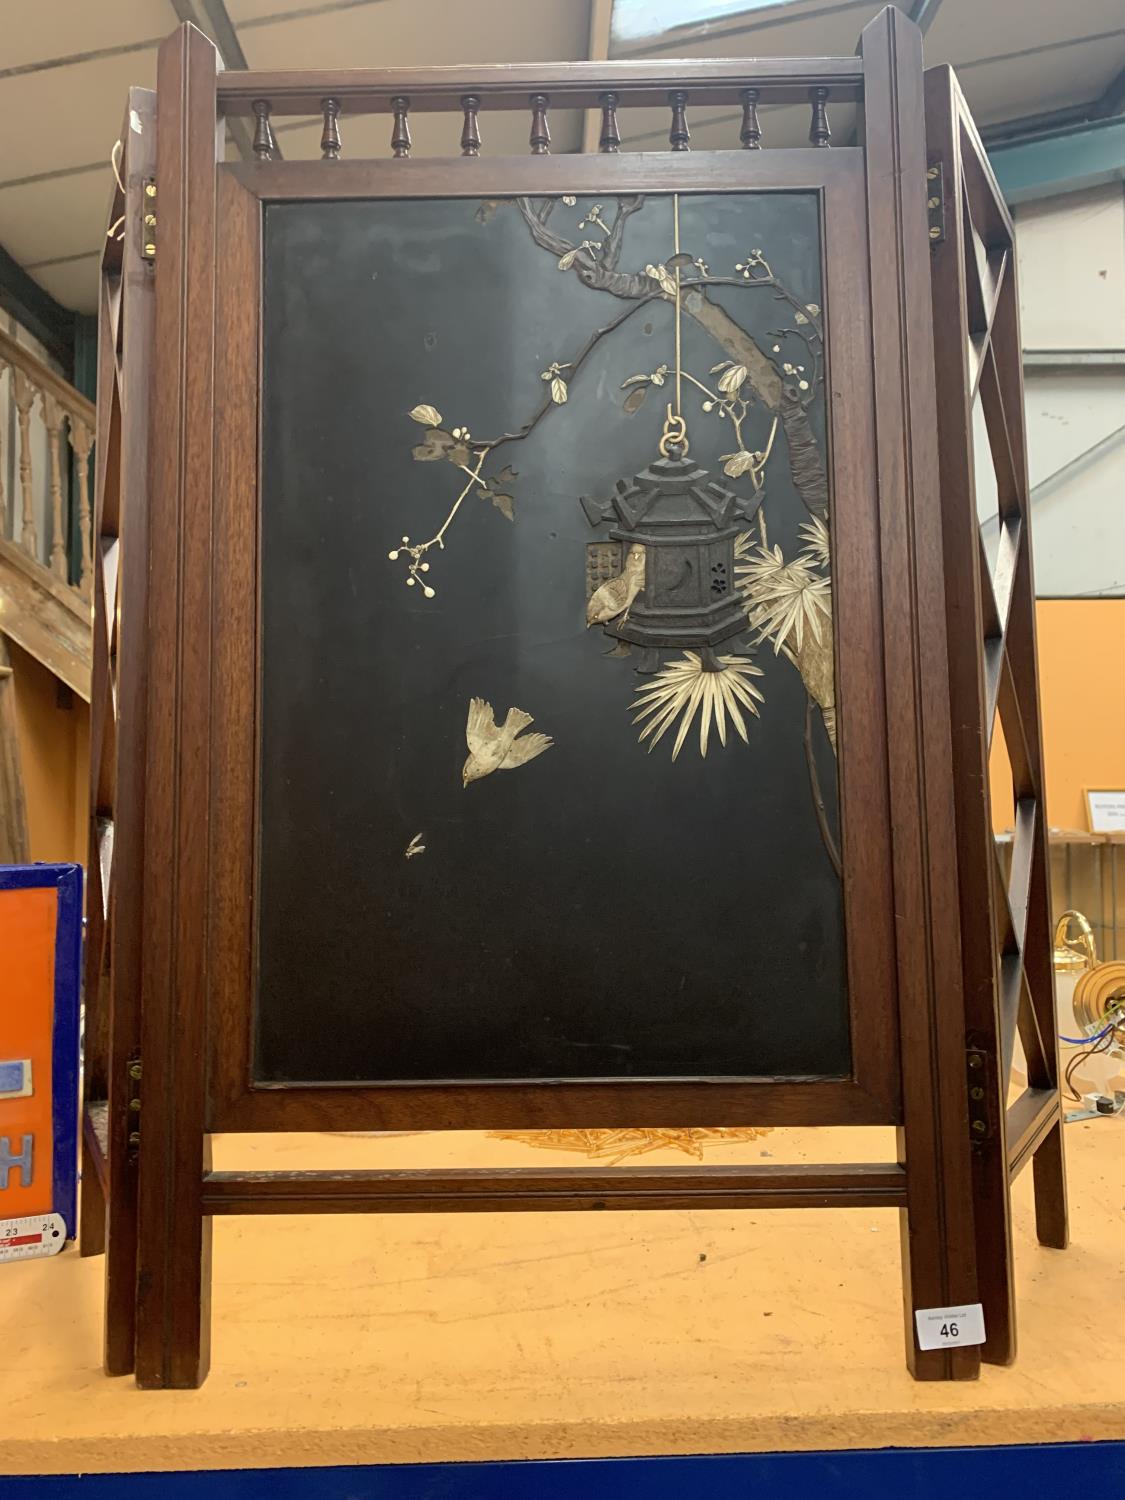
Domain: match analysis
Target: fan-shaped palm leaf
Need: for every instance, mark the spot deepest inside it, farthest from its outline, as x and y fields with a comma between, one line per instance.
x=685, y=686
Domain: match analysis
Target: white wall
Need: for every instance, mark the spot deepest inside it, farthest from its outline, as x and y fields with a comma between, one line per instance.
x=1071, y=253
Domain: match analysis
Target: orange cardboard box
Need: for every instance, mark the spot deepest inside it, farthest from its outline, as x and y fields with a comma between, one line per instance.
x=40, y=959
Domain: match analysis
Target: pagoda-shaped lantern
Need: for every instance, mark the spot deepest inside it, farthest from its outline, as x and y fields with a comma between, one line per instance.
x=687, y=525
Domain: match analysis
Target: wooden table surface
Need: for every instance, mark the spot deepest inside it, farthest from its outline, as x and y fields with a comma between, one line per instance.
x=469, y=1337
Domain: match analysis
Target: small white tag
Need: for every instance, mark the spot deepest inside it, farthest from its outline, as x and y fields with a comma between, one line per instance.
x=949, y=1327
x=24, y=1239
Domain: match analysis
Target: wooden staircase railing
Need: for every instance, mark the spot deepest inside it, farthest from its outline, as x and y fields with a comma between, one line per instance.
x=42, y=609
x=37, y=392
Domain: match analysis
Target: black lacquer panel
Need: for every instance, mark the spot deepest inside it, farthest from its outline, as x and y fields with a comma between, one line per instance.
x=601, y=909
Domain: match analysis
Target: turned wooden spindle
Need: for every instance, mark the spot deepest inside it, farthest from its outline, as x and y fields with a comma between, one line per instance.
x=263, y=133
x=81, y=441
x=610, y=139
x=540, y=137
x=751, y=133
x=678, y=135
x=52, y=420
x=23, y=397
x=400, y=133
x=330, y=136
x=819, y=133
x=470, y=133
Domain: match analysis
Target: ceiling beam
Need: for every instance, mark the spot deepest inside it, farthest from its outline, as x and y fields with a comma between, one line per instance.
x=74, y=59
x=1112, y=100
x=1107, y=106
x=1027, y=127
x=226, y=37
x=923, y=12
x=215, y=22
x=1067, y=160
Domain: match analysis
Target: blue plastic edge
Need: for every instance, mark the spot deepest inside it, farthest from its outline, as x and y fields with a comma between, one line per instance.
x=67, y=881
x=852, y=1474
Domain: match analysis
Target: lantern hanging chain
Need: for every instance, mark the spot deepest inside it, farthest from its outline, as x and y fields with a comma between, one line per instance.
x=676, y=241
x=675, y=428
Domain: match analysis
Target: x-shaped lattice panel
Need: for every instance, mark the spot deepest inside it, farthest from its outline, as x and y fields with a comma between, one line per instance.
x=1007, y=616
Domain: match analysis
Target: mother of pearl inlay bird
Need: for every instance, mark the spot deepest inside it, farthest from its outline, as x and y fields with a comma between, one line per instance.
x=615, y=596
x=494, y=747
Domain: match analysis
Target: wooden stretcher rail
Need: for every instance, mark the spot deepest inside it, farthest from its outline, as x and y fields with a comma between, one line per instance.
x=780, y=80
x=1033, y=1114
x=536, y=1190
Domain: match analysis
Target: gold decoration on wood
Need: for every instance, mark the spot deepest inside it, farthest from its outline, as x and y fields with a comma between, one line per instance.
x=428, y=416
x=616, y=596
x=784, y=601
x=495, y=747
x=761, y=387
x=613, y=1146
x=414, y=847
x=687, y=685
x=790, y=604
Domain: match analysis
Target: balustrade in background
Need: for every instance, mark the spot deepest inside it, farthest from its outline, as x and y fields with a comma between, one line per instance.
x=52, y=436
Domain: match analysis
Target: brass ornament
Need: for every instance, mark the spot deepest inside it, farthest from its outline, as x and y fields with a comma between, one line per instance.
x=1073, y=954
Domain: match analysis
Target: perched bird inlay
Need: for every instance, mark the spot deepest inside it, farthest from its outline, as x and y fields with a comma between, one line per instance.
x=616, y=595
x=494, y=747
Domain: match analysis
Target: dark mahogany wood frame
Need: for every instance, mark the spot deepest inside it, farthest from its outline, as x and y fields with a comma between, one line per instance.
x=183, y=883
x=227, y=720
x=116, y=862
x=1007, y=948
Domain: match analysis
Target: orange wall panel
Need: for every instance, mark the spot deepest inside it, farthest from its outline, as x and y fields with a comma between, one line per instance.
x=54, y=754
x=1082, y=688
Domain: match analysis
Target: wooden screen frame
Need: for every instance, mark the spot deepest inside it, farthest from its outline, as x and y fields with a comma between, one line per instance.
x=228, y=718
x=201, y=392
x=1007, y=932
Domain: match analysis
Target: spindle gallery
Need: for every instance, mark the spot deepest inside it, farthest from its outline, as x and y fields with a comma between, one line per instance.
x=631, y=801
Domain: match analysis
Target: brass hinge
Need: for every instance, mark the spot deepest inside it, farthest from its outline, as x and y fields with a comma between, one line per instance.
x=935, y=200
x=133, y=1091
x=148, y=220
x=980, y=1125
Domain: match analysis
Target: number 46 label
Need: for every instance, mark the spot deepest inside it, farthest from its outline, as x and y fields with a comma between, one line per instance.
x=949, y=1327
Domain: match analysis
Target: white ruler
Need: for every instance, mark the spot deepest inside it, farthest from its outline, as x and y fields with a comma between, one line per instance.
x=24, y=1239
